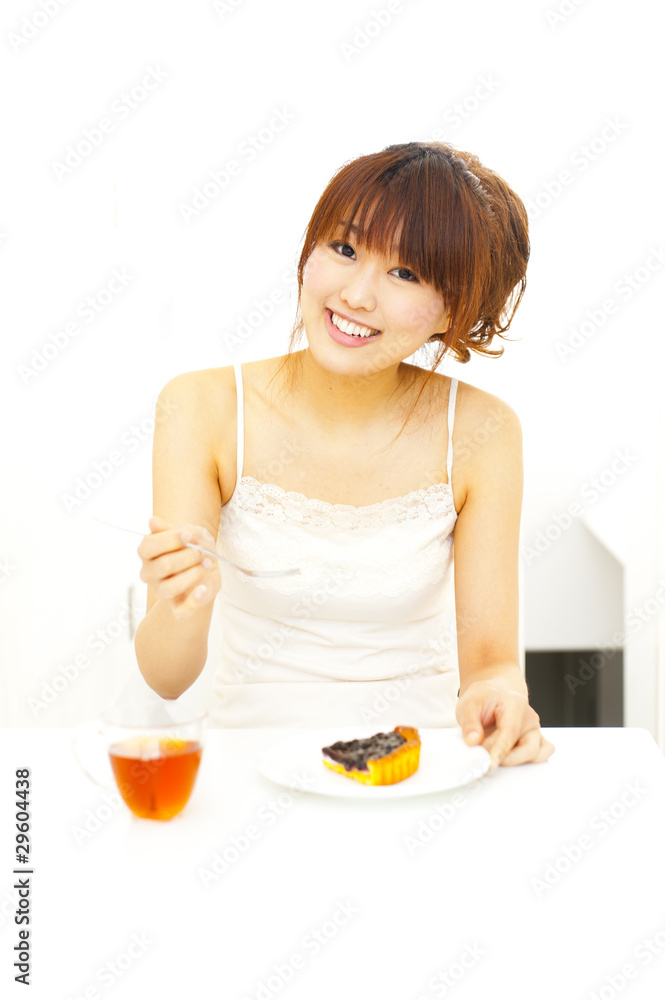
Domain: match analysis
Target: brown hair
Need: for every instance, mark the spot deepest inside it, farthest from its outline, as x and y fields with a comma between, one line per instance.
x=465, y=232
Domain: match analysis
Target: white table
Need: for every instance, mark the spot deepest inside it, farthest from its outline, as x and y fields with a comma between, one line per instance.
x=471, y=905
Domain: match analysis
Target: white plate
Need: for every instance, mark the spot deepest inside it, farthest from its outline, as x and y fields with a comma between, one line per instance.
x=445, y=762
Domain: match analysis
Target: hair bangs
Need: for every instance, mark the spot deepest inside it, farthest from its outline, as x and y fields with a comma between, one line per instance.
x=372, y=199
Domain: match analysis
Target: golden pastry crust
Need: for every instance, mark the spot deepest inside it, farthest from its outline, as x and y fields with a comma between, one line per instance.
x=392, y=767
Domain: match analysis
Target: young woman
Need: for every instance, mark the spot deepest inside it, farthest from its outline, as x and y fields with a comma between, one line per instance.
x=337, y=459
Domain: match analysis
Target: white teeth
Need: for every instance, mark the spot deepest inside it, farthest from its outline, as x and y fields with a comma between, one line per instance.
x=351, y=328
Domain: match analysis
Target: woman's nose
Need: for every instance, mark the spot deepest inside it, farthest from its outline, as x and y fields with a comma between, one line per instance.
x=359, y=291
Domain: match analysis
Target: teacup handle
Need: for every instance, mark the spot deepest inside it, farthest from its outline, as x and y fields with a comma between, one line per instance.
x=96, y=729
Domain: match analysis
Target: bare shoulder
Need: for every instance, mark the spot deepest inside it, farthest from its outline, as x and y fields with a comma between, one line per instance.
x=208, y=403
x=200, y=403
x=208, y=393
x=211, y=381
x=201, y=386
x=487, y=439
x=476, y=408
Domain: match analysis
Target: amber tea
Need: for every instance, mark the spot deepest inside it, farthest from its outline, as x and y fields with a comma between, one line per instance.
x=155, y=775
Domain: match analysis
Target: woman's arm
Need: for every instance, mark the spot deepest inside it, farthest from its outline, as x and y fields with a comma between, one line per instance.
x=486, y=545
x=171, y=642
x=493, y=692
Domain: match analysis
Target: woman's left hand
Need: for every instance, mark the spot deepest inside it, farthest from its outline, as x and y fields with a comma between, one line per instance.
x=504, y=723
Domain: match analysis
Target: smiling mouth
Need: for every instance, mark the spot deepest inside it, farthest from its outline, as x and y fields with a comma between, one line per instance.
x=352, y=329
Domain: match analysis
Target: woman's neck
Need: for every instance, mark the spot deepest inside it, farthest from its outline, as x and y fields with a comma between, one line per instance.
x=339, y=403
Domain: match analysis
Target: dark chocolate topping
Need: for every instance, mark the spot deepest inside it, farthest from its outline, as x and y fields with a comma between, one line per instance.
x=356, y=753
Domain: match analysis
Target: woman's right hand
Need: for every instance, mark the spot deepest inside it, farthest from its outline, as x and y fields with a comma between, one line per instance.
x=176, y=573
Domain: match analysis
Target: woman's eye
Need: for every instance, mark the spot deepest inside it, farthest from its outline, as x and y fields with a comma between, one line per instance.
x=411, y=275
x=335, y=244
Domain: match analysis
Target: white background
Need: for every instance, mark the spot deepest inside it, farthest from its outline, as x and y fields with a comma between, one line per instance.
x=537, y=90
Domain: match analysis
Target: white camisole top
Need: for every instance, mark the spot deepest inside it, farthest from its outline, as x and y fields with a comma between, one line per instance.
x=365, y=634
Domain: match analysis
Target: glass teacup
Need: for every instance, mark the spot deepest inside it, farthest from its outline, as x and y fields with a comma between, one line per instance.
x=154, y=751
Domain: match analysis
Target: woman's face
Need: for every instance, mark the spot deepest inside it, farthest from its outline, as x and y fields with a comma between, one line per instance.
x=344, y=281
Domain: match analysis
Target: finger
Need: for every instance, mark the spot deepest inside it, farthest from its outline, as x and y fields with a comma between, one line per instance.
x=178, y=586
x=539, y=750
x=469, y=714
x=530, y=721
x=167, y=540
x=525, y=750
x=170, y=564
x=477, y=714
x=158, y=523
x=197, y=598
x=509, y=729
x=545, y=752
x=155, y=524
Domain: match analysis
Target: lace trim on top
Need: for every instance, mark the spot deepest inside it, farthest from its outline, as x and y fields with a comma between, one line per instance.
x=391, y=547
x=287, y=505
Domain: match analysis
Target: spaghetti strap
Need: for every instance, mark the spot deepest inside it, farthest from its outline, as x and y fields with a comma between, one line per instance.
x=451, y=421
x=240, y=421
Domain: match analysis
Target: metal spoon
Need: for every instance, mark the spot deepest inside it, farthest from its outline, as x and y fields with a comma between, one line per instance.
x=208, y=552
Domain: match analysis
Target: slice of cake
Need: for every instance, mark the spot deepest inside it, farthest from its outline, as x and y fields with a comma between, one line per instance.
x=382, y=759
